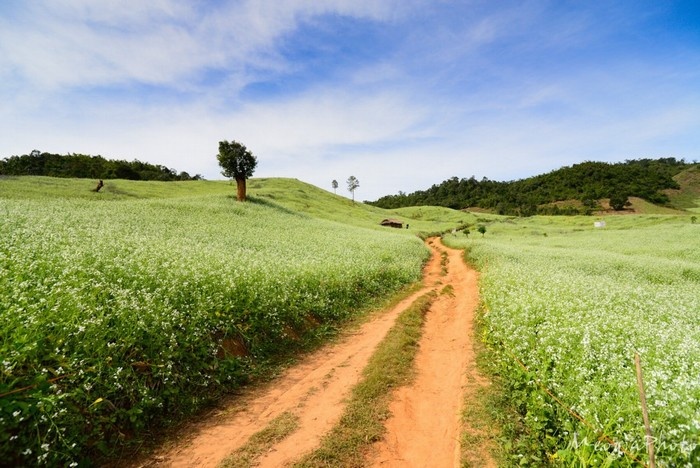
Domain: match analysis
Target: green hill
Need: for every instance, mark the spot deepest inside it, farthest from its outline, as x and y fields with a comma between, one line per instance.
x=86, y=166
x=687, y=196
x=579, y=189
x=283, y=193
x=312, y=201
x=130, y=308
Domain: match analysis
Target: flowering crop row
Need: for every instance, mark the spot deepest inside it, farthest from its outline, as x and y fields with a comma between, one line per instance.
x=115, y=315
x=574, y=308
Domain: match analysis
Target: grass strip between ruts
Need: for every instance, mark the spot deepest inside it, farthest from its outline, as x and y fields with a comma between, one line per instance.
x=483, y=411
x=260, y=442
x=391, y=366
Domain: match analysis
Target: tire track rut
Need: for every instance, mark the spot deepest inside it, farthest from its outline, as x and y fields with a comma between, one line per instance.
x=314, y=390
x=425, y=427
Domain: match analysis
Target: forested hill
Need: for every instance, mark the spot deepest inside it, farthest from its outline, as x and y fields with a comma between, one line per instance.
x=86, y=166
x=586, y=183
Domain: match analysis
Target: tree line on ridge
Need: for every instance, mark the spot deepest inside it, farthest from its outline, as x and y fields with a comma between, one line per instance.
x=88, y=167
x=586, y=183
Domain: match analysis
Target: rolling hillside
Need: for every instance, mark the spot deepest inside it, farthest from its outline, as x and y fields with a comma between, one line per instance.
x=132, y=307
x=282, y=193
x=584, y=188
x=687, y=196
x=129, y=309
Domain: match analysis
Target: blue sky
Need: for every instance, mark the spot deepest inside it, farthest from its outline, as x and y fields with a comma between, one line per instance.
x=402, y=94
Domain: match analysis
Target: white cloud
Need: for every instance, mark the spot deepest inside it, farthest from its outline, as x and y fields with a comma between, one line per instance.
x=60, y=44
x=323, y=117
x=86, y=43
x=463, y=89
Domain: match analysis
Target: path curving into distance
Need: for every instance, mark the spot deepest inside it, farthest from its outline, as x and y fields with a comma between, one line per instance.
x=425, y=427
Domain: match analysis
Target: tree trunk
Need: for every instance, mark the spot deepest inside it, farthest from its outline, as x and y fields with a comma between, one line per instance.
x=240, y=185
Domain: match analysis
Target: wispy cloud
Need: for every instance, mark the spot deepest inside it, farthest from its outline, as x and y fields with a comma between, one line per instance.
x=86, y=43
x=401, y=94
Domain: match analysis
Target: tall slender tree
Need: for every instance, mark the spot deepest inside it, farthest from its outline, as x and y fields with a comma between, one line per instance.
x=353, y=183
x=238, y=163
x=335, y=185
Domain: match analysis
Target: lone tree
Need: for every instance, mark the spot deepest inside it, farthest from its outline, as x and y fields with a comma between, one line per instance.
x=353, y=183
x=335, y=185
x=482, y=230
x=618, y=201
x=238, y=163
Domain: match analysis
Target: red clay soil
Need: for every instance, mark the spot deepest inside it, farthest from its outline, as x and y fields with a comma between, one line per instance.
x=425, y=428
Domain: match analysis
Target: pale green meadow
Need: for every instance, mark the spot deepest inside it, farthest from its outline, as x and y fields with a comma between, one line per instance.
x=136, y=306
x=125, y=311
x=573, y=304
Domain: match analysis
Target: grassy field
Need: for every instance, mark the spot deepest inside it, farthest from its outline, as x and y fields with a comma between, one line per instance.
x=688, y=196
x=131, y=308
x=134, y=306
x=313, y=201
x=297, y=197
x=573, y=304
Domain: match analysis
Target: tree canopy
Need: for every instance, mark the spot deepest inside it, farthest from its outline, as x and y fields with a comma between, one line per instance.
x=353, y=184
x=587, y=182
x=237, y=163
x=88, y=167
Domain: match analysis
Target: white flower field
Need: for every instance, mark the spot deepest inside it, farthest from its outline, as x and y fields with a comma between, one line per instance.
x=116, y=312
x=574, y=308
x=125, y=312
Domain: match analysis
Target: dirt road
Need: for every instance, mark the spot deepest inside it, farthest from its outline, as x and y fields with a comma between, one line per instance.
x=426, y=415
x=425, y=427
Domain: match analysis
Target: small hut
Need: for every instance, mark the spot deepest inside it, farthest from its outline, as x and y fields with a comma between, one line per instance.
x=395, y=223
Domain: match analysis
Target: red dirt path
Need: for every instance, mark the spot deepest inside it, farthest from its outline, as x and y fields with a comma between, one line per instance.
x=425, y=427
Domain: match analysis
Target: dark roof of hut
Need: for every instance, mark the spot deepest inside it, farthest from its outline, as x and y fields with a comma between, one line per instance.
x=390, y=222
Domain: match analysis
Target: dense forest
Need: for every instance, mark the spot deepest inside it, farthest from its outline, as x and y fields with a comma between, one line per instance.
x=586, y=184
x=86, y=166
